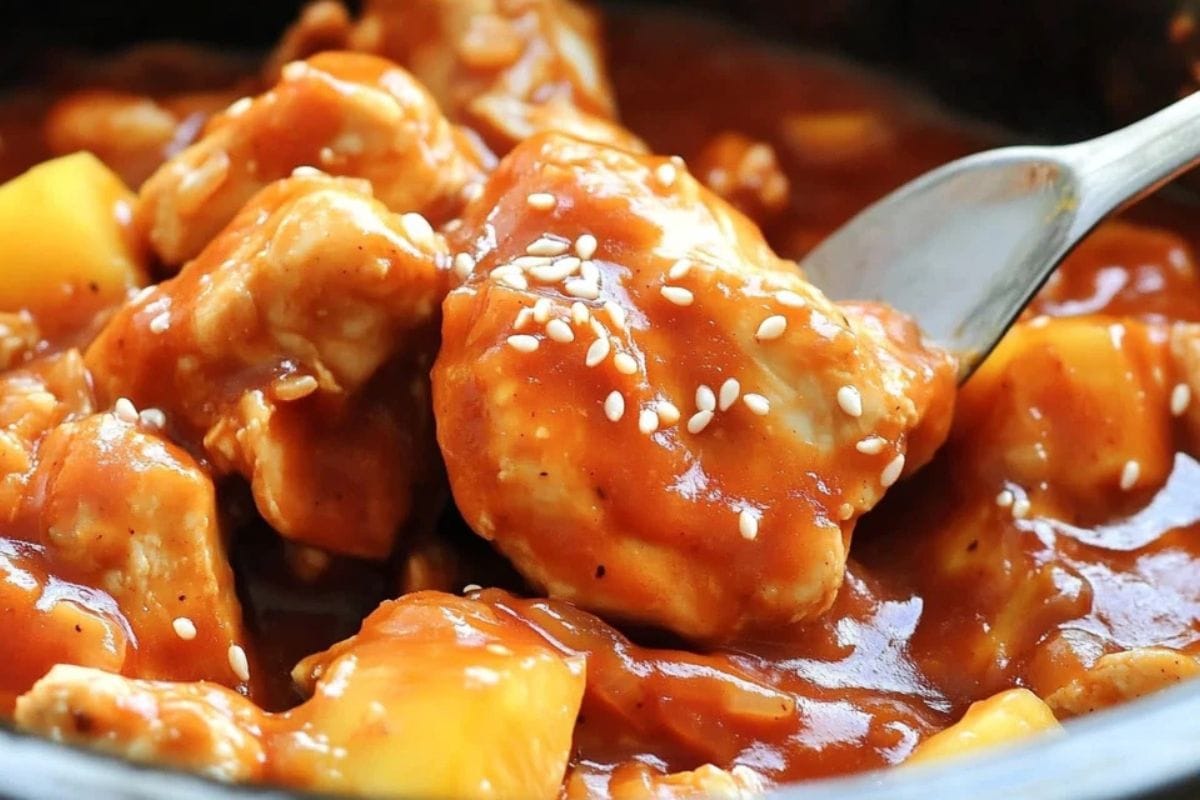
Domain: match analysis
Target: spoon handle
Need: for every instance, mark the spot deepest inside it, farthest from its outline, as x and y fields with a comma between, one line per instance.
x=1121, y=167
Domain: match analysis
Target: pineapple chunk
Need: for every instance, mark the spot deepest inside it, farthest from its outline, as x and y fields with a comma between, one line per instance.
x=1002, y=718
x=65, y=248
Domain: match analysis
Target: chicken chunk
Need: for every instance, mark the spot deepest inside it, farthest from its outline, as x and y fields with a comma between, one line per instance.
x=746, y=173
x=625, y=340
x=498, y=66
x=1005, y=718
x=1119, y=677
x=348, y=113
x=294, y=351
x=641, y=782
x=423, y=702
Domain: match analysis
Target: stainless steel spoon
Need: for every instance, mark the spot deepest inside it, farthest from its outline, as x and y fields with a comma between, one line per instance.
x=965, y=247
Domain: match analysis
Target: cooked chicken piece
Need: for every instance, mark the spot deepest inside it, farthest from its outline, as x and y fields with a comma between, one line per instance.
x=294, y=350
x=119, y=508
x=1004, y=718
x=423, y=702
x=348, y=113
x=638, y=781
x=1119, y=677
x=19, y=335
x=477, y=56
x=625, y=340
x=322, y=25
x=746, y=173
x=505, y=121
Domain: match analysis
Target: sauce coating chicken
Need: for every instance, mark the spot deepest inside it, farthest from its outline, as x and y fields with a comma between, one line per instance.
x=745, y=420
x=293, y=351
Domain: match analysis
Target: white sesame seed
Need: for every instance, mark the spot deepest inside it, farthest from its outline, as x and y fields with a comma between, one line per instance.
x=871, y=445
x=730, y=390
x=597, y=352
x=238, y=662
x=125, y=410
x=666, y=174
x=1040, y=321
x=553, y=272
x=615, y=313
x=472, y=192
x=510, y=277
x=589, y=271
x=580, y=314
x=1005, y=498
x=1181, y=398
x=541, y=310
x=748, y=524
x=523, y=343
x=143, y=294
x=699, y=421
x=184, y=628
x=239, y=106
x=464, y=265
x=1130, y=474
x=891, y=473
x=679, y=269
x=614, y=406
x=453, y=225
x=527, y=262
x=498, y=649
x=585, y=246
x=625, y=363
x=153, y=418
x=161, y=322
x=771, y=328
x=756, y=403
x=560, y=331
x=305, y=171
x=677, y=295
x=417, y=228
x=548, y=246
x=668, y=414
x=790, y=299
x=1020, y=508
x=850, y=400
x=578, y=287
x=524, y=316
x=647, y=421
x=471, y=587
x=542, y=201
x=705, y=399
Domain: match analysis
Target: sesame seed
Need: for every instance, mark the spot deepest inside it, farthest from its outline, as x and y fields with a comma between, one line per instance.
x=891, y=473
x=748, y=524
x=1040, y=321
x=677, y=295
x=790, y=299
x=510, y=277
x=580, y=314
x=524, y=316
x=585, y=246
x=1020, y=508
x=472, y=192
x=560, y=331
x=1005, y=498
x=153, y=418
x=679, y=269
x=614, y=406
x=625, y=363
x=871, y=446
x=1130, y=474
x=471, y=587
x=306, y=171
x=578, y=287
x=125, y=410
x=542, y=201
x=850, y=400
x=699, y=421
x=464, y=265
x=548, y=246
x=668, y=414
x=553, y=272
x=647, y=421
x=142, y=295
x=523, y=343
x=184, y=628
x=295, y=387
x=161, y=322
x=705, y=399
x=417, y=228
x=452, y=226
x=498, y=649
x=238, y=662
x=588, y=271
x=666, y=174
x=527, y=262
x=771, y=328
x=541, y=310
x=728, y=395
x=597, y=352
x=1181, y=398
x=615, y=313
x=239, y=106
x=756, y=403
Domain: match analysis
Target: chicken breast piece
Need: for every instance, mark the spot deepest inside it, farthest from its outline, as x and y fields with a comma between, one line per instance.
x=499, y=66
x=294, y=351
x=633, y=386
x=1119, y=677
x=347, y=113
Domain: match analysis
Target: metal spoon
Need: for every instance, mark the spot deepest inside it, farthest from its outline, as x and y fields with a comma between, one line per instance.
x=965, y=247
